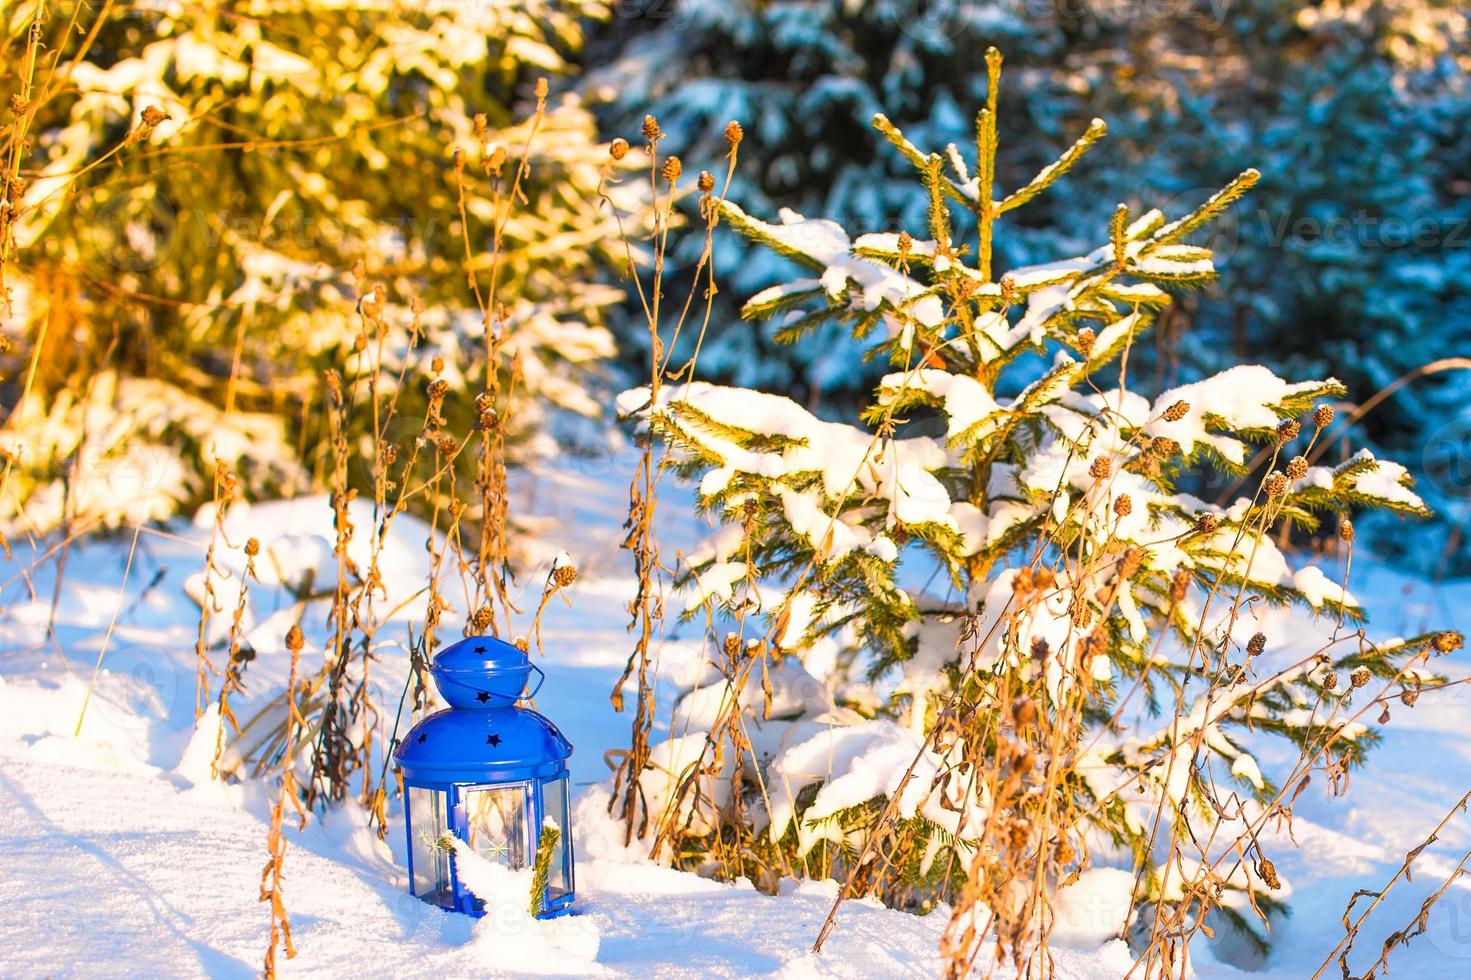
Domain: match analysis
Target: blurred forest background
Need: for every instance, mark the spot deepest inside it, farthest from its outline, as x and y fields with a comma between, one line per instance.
x=176, y=279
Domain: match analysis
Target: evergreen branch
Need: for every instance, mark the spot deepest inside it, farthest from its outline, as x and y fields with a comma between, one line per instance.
x=1049, y=175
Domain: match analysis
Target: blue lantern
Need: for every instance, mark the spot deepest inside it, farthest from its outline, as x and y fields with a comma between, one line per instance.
x=488, y=771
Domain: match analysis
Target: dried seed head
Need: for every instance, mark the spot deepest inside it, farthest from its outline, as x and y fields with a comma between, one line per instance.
x=1268, y=873
x=18, y=105
x=1359, y=677
x=731, y=645
x=1384, y=716
x=480, y=123
x=437, y=389
x=252, y=547
x=486, y=417
x=1408, y=698
x=1177, y=411
x=541, y=87
x=153, y=115
x=1123, y=505
x=1163, y=447
x=1029, y=580
x=1095, y=644
x=564, y=574
x=706, y=183
x=1256, y=644
x=294, y=640
x=733, y=133
x=1009, y=292
x=618, y=149
x=1330, y=682
x=672, y=169
x=1040, y=649
x=1323, y=416
x=1288, y=430
x=1207, y=523
x=446, y=444
x=1129, y=564
x=481, y=619
x=1276, y=484
x=1346, y=531
x=1179, y=585
x=437, y=365
x=1297, y=468
x=521, y=643
x=651, y=129
x=1086, y=339
x=1064, y=853
x=1447, y=641
x=1023, y=712
x=906, y=243
x=1099, y=468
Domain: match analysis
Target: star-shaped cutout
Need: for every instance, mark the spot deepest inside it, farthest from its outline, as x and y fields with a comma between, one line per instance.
x=480, y=649
x=482, y=697
x=492, y=739
x=423, y=737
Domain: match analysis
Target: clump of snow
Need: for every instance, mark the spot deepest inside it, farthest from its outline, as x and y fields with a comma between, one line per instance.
x=508, y=936
x=1240, y=398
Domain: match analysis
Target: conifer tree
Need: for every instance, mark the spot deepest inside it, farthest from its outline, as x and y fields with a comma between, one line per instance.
x=984, y=635
x=1351, y=258
x=199, y=188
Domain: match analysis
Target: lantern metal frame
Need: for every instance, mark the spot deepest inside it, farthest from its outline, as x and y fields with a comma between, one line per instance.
x=486, y=740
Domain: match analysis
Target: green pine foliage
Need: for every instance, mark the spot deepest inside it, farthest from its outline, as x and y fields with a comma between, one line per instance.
x=1011, y=517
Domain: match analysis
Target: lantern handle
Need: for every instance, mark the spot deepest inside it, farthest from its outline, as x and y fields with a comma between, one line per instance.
x=541, y=678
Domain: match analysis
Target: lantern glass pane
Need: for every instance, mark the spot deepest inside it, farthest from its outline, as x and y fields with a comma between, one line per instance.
x=496, y=824
x=559, y=879
x=427, y=814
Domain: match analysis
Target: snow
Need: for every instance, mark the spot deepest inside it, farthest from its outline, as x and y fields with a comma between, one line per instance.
x=825, y=245
x=120, y=851
x=1241, y=397
x=1317, y=588
x=898, y=470
x=967, y=402
x=1089, y=910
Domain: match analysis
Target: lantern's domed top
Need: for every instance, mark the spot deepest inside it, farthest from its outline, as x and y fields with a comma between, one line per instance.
x=483, y=672
x=456, y=745
x=484, y=735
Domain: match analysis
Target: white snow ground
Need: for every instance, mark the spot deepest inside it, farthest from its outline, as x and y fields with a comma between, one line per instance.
x=121, y=857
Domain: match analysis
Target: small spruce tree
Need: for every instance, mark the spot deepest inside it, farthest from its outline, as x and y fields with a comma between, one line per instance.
x=995, y=638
